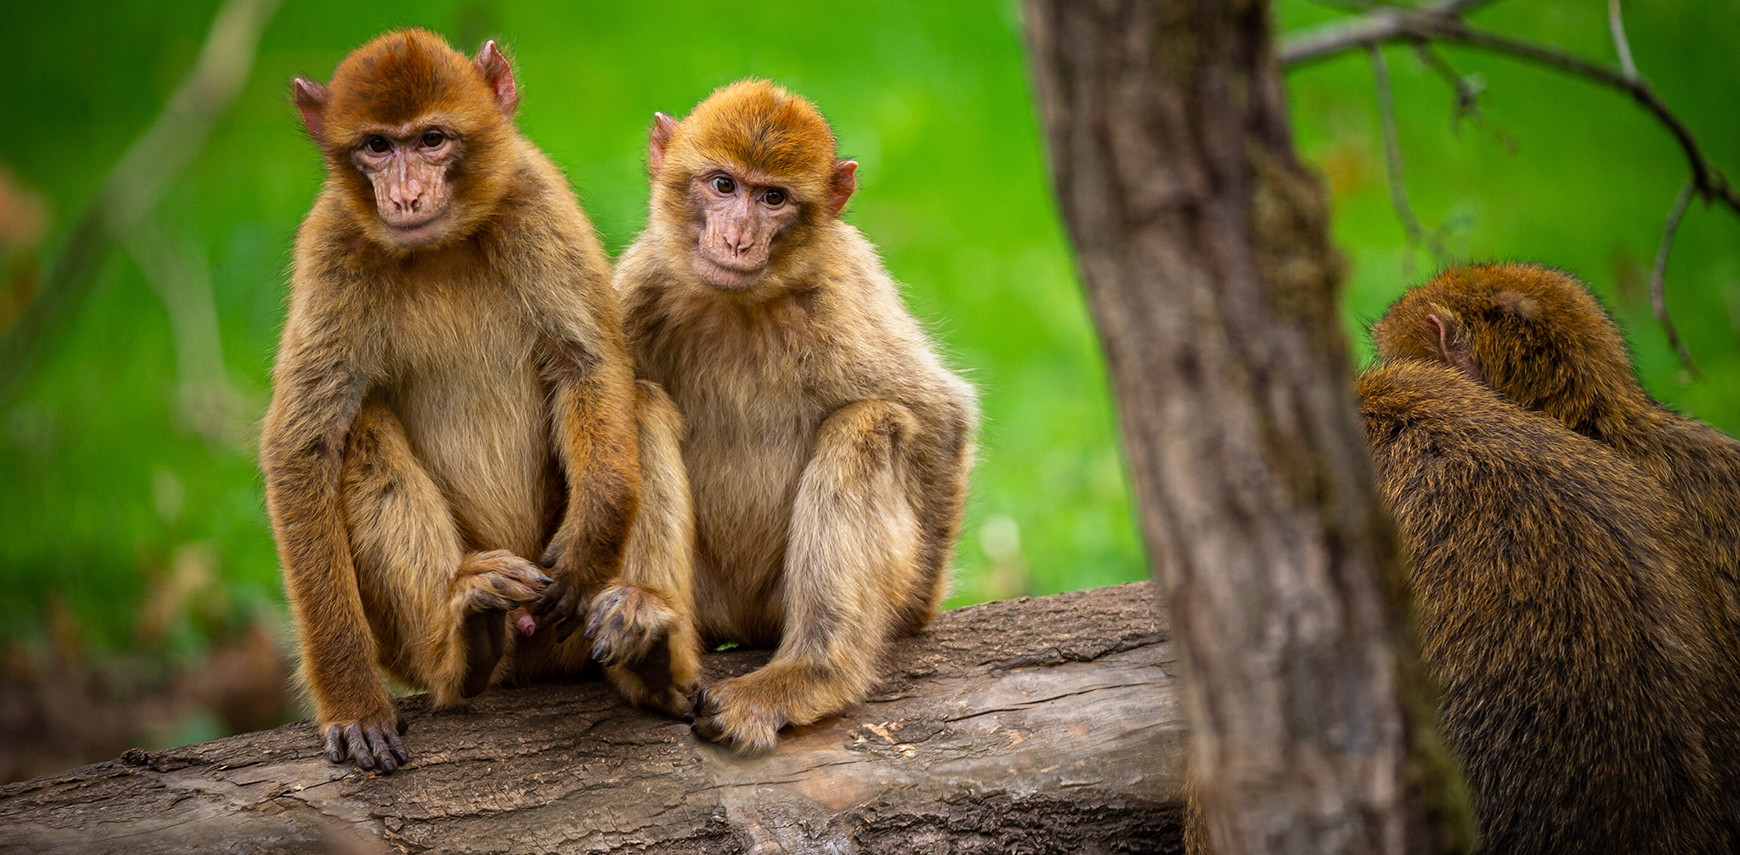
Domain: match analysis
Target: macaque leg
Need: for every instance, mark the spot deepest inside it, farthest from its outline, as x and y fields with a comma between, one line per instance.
x=642, y=626
x=850, y=564
x=439, y=612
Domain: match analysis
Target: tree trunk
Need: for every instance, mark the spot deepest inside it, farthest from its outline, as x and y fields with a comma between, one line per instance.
x=1204, y=251
x=1041, y=726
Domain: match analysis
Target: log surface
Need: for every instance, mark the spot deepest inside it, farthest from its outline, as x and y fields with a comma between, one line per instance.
x=1038, y=725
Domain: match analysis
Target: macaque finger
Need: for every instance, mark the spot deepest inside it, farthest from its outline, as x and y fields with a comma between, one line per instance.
x=567, y=628
x=335, y=750
x=514, y=590
x=708, y=728
x=486, y=601
x=551, y=601
x=380, y=749
x=359, y=747
x=398, y=747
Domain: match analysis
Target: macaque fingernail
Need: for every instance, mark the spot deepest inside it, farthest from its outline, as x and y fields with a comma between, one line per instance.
x=528, y=626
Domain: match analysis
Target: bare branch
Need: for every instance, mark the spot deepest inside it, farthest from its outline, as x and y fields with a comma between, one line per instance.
x=208, y=402
x=1385, y=23
x=1621, y=45
x=137, y=183
x=1658, y=276
x=1440, y=23
x=1467, y=91
x=1417, y=234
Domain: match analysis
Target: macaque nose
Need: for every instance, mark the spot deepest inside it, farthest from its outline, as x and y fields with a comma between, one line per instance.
x=407, y=197
x=742, y=240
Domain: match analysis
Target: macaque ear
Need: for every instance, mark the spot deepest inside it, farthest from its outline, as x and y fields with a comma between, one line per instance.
x=1453, y=343
x=843, y=185
x=1520, y=305
x=500, y=77
x=664, y=127
x=310, y=98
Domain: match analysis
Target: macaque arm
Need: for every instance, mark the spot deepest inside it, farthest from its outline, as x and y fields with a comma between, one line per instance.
x=318, y=386
x=593, y=425
x=642, y=627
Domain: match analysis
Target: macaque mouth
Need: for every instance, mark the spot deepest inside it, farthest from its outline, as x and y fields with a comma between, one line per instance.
x=732, y=258
x=731, y=274
x=417, y=232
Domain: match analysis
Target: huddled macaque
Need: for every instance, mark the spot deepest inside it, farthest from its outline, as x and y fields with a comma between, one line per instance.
x=1538, y=338
x=1562, y=606
x=453, y=397
x=825, y=444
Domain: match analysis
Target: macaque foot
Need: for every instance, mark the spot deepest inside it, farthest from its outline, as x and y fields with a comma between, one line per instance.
x=650, y=652
x=486, y=587
x=371, y=742
x=741, y=714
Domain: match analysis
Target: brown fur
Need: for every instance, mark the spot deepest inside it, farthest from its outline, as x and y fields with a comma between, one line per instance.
x=440, y=414
x=1580, y=649
x=827, y=446
x=1539, y=338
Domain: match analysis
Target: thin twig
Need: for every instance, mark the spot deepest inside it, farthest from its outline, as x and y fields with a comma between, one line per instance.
x=1438, y=23
x=1467, y=93
x=1417, y=234
x=1442, y=22
x=1658, y=276
x=137, y=182
x=208, y=402
x=1468, y=89
x=1621, y=45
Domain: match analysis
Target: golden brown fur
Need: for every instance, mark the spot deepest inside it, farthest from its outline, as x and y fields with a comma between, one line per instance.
x=1538, y=337
x=442, y=413
x=1561, y=606
x=827, y=446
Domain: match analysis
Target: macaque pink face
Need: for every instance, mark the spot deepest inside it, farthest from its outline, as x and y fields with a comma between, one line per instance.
x=740, y=214
x=409, y=167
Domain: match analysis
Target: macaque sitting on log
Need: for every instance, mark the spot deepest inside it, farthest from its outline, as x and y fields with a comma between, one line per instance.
x=824, y=443
x=453, y=397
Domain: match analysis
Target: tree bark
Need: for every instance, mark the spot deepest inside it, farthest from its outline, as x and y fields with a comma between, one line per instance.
x=1044, y=725
x=1204, y=252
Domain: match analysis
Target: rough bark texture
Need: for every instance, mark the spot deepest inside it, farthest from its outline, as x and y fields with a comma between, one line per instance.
x=1032, y=726
x=1204, y=252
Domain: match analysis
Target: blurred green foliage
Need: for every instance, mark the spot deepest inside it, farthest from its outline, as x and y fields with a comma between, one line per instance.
x=111, y=494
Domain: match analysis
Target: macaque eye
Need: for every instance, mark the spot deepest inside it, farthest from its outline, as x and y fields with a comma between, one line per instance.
x=378, y=145
x=773, y=198
x=724, y=185
x=434, y=138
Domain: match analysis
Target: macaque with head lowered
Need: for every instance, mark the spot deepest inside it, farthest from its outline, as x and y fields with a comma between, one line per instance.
x=452, y=396
x=1537, y=337
x=1562, y=606
x=826, y=445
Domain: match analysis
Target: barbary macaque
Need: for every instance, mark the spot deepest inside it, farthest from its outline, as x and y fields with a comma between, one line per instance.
x=825, y=444
x=1538, y=337
x=453, y=397
x=1565, y=611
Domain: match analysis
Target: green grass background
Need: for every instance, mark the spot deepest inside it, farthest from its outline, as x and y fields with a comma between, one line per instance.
x=102, y=486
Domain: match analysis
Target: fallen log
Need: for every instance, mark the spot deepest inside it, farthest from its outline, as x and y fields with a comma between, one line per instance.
x=1035, y=725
